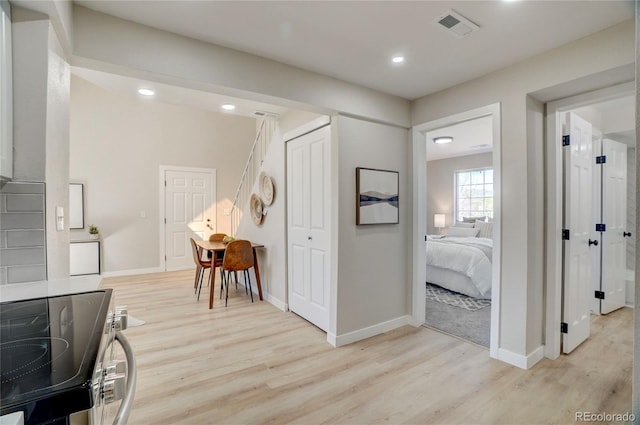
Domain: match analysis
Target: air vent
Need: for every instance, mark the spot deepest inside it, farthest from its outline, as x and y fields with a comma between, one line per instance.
x=265, y=114
x=456, y=24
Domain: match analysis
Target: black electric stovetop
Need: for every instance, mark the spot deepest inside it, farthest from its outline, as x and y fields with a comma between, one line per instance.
x=48, y=352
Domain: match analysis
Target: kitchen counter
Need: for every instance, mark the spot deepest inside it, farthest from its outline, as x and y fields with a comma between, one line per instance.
x=47, y=288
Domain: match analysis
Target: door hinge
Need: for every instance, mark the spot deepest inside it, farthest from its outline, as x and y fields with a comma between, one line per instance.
x=599, y=295
x=565, y=234
x=602, y=159
x=165, y=220
x=425, y=238
x=566, y=140
x=601, y=227
x=165, y=183
x=564, y=328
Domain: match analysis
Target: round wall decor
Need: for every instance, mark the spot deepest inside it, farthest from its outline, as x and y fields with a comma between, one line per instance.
x=267, y=189
x=256, y=208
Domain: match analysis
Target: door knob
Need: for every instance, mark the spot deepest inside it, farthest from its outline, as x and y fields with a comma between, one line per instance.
x=593, y=242
x=309, y=237
x=625, y=234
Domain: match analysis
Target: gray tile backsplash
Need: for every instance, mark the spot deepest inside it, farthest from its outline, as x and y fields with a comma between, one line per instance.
x=22, y=233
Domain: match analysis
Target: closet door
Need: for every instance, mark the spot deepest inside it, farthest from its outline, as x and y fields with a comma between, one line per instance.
x=614, y=216
x=308, y=207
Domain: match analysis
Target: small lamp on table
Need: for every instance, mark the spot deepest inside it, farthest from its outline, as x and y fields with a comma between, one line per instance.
x=438, y=221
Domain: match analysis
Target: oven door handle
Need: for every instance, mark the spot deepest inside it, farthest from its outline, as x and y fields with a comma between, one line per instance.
x=127, y=403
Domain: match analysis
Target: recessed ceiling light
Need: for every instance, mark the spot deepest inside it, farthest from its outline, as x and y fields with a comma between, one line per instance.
x=442, y=140
x=397, y=59
x=146, y=92
x=228, y=107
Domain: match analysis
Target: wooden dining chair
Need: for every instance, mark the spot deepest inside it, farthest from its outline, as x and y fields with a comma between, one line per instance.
x=201, y=265
x=217, y=237
x=237, y=257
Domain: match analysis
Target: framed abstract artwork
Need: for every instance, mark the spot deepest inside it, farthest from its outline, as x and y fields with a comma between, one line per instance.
x=377, y=196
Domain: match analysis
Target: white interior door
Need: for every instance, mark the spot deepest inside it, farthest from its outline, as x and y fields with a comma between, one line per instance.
x=308, y=204
x=189, y=212
x=578, y=219
x=614, y=215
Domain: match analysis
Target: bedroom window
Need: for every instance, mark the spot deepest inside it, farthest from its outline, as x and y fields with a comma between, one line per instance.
x=474, y=193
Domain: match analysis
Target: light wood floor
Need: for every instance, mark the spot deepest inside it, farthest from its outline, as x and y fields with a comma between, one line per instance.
x=253, y=364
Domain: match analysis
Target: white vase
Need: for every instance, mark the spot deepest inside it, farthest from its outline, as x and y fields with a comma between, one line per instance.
x=94, y=235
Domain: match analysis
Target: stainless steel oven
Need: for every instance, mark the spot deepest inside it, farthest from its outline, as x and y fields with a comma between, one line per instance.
x=66, y=354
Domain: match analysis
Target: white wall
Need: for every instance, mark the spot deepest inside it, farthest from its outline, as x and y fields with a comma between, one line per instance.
x=373, y=274
x=635, y=401
x=520, y=332
x=41, y=125
x=117, y=145
x=441, y=181
x=57, y=159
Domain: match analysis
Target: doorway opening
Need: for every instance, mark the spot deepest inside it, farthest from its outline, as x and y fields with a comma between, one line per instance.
x=606, y=281
x=456, y=203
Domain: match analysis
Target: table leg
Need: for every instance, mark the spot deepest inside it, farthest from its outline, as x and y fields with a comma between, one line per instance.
x=212, y=282
x=257, y=270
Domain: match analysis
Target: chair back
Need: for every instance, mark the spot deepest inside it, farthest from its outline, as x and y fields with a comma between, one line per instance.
x=217, y=237
x=238, y=256
x=197, y=255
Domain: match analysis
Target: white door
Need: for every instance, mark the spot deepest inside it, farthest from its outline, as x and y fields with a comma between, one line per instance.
x=189, y=212
x=578, y=219
x=614, y=216
x=308, y=204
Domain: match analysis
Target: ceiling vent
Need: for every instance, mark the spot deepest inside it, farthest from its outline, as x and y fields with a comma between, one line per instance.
x=456, y=24
x=265, y=114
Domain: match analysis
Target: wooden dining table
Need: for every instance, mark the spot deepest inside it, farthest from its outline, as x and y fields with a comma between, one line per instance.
x=214, y=248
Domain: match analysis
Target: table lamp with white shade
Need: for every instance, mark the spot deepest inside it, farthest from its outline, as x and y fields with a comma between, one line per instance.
x=438, y=221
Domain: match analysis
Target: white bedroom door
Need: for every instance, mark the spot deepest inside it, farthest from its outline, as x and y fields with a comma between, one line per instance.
x=309, y=243
x=578, y=227
x=614, y=216
x=189, y=212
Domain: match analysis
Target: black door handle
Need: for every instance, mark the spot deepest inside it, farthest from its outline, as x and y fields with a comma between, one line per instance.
x=625, y=234
x=593, y=242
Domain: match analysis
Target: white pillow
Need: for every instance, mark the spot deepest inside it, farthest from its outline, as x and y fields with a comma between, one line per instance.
x=470, y=232
x=473, y=219
x=464, y=224
x=485, y=229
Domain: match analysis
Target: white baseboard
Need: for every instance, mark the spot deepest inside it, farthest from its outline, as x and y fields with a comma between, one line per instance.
x=519, y=360
x=132, y=272
x=280, y=305
x=360, y=334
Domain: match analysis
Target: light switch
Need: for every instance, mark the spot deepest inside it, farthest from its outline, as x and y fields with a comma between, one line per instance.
x=143, y=214
x=227, y=211
x=59, y=219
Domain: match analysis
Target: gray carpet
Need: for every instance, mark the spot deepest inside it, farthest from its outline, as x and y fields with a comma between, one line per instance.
x=474, y=326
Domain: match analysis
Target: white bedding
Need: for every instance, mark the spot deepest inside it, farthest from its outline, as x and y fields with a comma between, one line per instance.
x=468, y=256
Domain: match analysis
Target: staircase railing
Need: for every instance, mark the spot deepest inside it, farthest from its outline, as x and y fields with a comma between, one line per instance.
x=251, y=171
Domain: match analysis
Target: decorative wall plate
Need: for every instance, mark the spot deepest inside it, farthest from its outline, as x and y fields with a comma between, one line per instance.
x=266, y=187
x=255, y=205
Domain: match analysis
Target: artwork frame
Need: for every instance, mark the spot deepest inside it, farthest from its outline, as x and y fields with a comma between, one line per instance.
x=76, y=206
x=377, y=196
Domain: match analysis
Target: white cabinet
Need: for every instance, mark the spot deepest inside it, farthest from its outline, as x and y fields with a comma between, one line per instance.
x=84, y=257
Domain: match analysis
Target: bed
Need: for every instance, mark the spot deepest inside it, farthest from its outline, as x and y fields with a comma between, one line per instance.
x=460, y=264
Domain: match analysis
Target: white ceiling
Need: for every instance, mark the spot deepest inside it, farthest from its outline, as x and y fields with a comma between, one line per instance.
x=469, y=138
x=354, y=40
x=175, y=95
